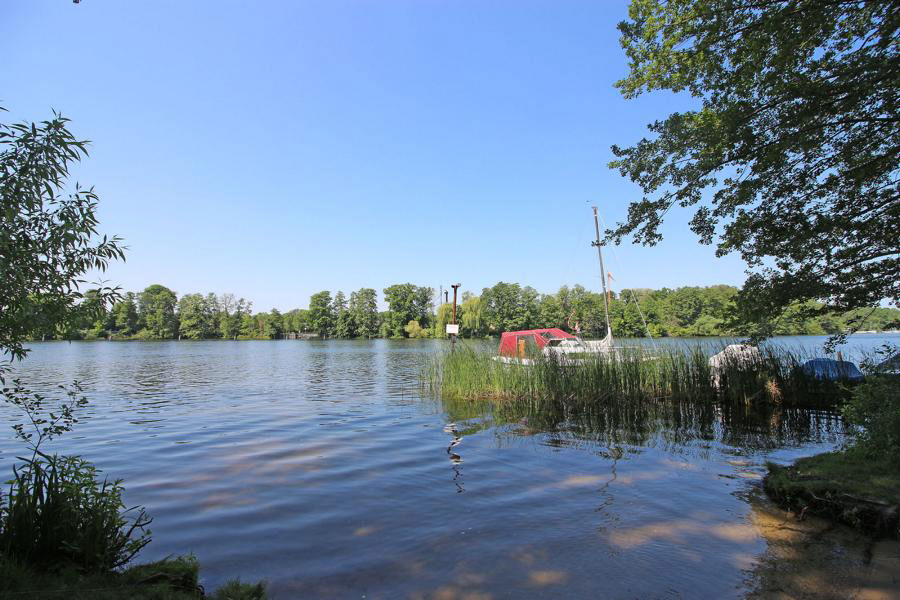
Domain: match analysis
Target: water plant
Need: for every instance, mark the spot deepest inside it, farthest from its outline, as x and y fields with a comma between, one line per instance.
x=57, y=513
x=773, y=375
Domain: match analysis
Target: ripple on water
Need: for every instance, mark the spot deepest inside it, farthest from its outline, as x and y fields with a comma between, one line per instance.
x=319, y=467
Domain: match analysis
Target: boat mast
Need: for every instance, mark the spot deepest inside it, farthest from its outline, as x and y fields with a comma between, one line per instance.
x=602, y=272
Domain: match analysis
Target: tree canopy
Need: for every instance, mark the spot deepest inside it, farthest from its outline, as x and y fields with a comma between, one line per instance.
x=48, y=238
x=686, y=311
x=792, y=157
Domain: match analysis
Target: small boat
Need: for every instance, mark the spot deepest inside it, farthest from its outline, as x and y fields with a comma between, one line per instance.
x=828, y=369
x=742, y=356
x=524, y=347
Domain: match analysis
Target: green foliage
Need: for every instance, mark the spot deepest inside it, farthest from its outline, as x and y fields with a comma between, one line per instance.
x=792, y=158
x=344, y=326
x=125, y=315
x=874, y=407
x=472, y=318
x=442, y=318
x=684, y=374
x=58, y=513
x=408, y=302
x=156, y=310
x=850, y=486
x=509, y=307
x=235, y=590
x=414, y=330
x=321, y=314
x=170, y=579
x=195, y=317
x=231, y=318
x=274, y=325
x=48, y=240
x=364, y=312
x=686, y=311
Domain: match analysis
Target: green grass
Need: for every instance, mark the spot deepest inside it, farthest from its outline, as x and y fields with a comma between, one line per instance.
x=632, y=374
x=850, y=471
x=171, y=579
x=849, y=486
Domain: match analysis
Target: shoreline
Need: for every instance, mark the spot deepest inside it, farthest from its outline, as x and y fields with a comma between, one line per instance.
x=844, y=486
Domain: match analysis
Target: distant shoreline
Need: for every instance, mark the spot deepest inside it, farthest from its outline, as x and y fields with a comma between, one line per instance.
x=315, y=338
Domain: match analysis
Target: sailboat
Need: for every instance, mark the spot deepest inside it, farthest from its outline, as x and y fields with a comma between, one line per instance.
x=523, y=347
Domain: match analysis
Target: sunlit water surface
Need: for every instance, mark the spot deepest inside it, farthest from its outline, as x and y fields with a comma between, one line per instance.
x=323, y=468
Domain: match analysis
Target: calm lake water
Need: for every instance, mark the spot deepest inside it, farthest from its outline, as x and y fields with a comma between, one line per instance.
x=324, y=469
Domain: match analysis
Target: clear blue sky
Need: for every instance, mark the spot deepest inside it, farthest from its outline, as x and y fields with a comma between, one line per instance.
x=276, y=149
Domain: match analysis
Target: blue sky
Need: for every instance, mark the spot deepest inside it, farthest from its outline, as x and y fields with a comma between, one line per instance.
x=276, y=149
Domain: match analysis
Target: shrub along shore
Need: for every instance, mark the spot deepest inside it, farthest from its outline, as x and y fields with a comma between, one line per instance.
x=66, y=532
x=169, y=579
x=846, y=486
x=859, y=485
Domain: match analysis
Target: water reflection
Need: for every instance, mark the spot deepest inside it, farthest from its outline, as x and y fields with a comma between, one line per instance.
x=455, y=459
x=673, y=426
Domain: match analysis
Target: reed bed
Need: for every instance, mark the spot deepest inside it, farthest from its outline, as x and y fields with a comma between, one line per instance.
x=775, y=375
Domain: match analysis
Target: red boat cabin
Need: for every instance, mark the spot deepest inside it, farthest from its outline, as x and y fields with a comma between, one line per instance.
x=529, y=342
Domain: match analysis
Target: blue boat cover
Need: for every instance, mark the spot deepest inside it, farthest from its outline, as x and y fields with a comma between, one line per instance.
x=828, y=369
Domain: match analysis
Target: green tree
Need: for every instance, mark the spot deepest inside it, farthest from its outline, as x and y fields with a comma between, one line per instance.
x=343, y=320
x=384, y=324
x=91, y=322
x=195, y=320
x=792, y=157
x=302, y=320
x=48, y=239
x=442, y=318
x=274, y=325
x=156, y=308
x=294, y=321
x=247, y=327
x=505, y=307
x=232, y=315
x=686, y=306
x=364, y=312
x=551, y=312
x=215, y=315
x=321, y=314
x=414, y=330
x=125, y=315
x=586, y=309
x=472, y=318
x=408, y=302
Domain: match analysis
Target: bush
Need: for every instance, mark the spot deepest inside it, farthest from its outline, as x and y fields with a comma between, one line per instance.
x=874, y=407
x=414, y=330
x=57, y=513
x=169, y=579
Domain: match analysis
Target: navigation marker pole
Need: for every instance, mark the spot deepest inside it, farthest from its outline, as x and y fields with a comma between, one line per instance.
x=452, y=327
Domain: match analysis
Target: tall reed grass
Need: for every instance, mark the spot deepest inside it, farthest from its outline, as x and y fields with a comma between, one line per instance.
x=775, y=375
x=58, y=514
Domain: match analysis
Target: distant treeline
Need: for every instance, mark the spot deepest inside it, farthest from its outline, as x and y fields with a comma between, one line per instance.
x=157, y=313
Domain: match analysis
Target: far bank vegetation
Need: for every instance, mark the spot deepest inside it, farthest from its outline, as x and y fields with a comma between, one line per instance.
x=158, y=313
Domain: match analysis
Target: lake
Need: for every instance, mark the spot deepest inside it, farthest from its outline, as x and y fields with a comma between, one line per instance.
x=324, y=468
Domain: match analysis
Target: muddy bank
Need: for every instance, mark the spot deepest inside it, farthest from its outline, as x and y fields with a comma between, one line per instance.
x=817, y=558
